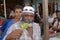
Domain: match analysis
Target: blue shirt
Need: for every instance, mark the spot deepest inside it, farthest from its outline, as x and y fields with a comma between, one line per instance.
x=5, y=27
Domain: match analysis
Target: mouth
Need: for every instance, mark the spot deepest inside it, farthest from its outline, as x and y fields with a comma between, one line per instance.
x=28, y=21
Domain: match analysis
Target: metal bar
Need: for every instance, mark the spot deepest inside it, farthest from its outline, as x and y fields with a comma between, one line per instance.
x=5, y=8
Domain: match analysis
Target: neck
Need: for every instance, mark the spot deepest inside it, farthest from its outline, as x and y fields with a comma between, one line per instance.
x=16, y=20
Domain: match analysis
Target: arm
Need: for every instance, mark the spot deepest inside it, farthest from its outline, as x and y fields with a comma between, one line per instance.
x=9, y=31
x=50, y=25
x=55, y=28
x=14, y=34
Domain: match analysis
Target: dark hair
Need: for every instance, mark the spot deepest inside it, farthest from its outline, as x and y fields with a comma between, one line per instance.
x=57, y=11
x=17, y=7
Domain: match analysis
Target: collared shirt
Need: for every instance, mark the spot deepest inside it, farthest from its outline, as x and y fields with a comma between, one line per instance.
x=56, y=23
x=25, y=34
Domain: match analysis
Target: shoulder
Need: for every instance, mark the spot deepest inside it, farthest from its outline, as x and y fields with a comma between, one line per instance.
x=7, y=24
x=35, y=23
x=7, y=21
x=36, y=27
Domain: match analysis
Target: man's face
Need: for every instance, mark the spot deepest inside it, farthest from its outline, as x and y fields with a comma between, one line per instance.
x=58, y=15
x=18, y=13
x=28, y=17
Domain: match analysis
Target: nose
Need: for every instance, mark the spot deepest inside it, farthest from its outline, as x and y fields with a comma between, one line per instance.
x=29, y=17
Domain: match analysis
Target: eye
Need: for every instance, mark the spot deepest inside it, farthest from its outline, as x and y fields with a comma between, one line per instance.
x=30, y=10
x=20, y=11
x=26, y=9
x=16, y=11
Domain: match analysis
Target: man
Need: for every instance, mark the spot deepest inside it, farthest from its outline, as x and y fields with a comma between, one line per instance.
x=28, y=17
x=17, y=12
x=55, y=22
x=25, y=29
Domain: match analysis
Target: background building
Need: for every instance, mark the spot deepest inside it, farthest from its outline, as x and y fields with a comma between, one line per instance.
x=53, y=5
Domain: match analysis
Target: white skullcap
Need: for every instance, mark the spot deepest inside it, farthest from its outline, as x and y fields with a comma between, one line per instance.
x=28, y=9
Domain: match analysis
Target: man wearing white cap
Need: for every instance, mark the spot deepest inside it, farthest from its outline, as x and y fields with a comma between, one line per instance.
x=26, y=29
x=33, y=30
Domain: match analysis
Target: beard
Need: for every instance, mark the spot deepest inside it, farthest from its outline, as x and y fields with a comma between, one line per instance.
x=27, y=20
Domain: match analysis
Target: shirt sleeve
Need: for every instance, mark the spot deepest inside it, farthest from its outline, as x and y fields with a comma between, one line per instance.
x=55, y=24
x=37, y=32
x=12, y=28
x=8, y=32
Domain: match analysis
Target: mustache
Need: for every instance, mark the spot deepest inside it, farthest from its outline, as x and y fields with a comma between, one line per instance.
x=28, y=21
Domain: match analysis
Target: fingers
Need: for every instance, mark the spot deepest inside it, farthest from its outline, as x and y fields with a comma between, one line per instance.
x=30, y=31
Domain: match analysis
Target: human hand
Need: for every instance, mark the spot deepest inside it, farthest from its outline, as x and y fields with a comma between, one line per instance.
x=30, y=31
x=15, y=34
